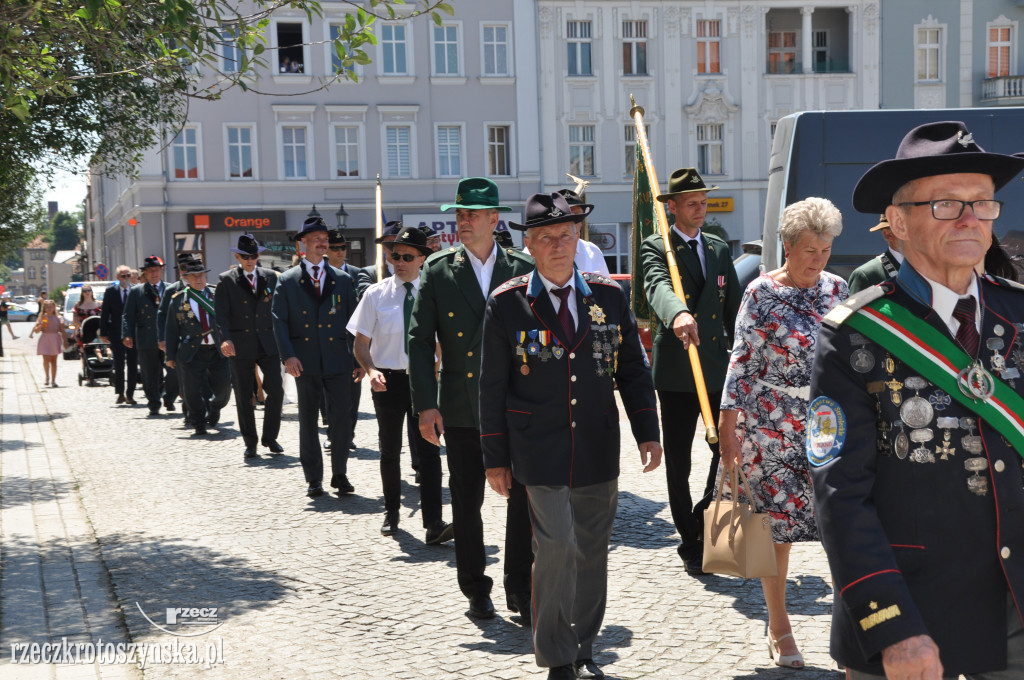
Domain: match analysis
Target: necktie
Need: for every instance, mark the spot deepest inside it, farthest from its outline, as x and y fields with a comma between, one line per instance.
x=156, y=289
x=407, y=311
x=967, y=334
x=563, y=312
x=252, y=281
x=124, y=296
x=699, y=274
x=205, y=321
x=316, y=278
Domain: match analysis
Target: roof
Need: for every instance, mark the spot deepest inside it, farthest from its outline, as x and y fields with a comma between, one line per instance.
x=37, y=244
x=62, y=256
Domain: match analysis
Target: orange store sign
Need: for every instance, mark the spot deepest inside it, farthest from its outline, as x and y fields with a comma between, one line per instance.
x=273, y=220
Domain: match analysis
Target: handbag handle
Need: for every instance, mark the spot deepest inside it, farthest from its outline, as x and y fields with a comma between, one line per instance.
x=733, y=483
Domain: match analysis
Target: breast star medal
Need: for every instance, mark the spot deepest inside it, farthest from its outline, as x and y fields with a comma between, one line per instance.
x=597, y=314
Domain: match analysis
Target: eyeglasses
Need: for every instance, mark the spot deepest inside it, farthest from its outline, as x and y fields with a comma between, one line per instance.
x=339, y=247
x=124, y=276
x=249, y=257
x=407, y=257
x=952, y=209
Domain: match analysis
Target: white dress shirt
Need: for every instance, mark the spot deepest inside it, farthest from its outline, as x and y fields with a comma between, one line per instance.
x=319, y=278
x=379, y=316
x=556, y=302
x=700, y=248
x=944, y=301
x=484, y=268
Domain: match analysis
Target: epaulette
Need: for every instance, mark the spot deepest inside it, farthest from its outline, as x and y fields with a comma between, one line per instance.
x=514, y=282
x=713, y=237
x=519, y=255
x=595, y=277
x=440, y=255
x=1004, y=283
x=841, y=312
x=180, y=292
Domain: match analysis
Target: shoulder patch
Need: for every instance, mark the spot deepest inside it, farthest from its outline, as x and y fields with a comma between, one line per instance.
x=514, y=282
x=439, y=255
x=841, y=312
x=519, y=255
x=595, y=277
x=826, y=431
x=1003, y=283
x=713, y=237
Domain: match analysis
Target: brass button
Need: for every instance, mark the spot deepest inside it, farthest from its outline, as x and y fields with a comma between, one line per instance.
x=714, y=338
x=451, y=314
x=460, y=334
x=469, y=375
x=573, y=402
x=573, y=378
x=999, y=466
x=307, y=325
x=1005, y=553
x=714, y=316
x=304, y=311
x=469, y=354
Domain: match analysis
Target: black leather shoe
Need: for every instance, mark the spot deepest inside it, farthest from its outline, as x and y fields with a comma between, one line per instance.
x=418, y=478
x=351, y=446
x=120, y=399
x=200, y=429
x=566, y=672
x=213, y=417
x=481, y=607
x=439, y=533
x=129, y=401
x=154, y=411
x=315, y=490
x=521, y=603
x=390, y=526
x=274, y=446
x=250, y=452
x=694, y=566
x=341, y=483
x=169, y=407
x=586, y=668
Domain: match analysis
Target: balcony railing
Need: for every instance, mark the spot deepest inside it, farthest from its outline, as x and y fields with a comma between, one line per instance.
x=1003, y=89
x=796, y=67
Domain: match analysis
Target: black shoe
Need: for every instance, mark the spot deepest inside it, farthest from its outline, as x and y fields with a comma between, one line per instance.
x=341, y=483
x=586, y=668
x=169, y=407
x=120, y=399
x=390, y=526
x=439, y=533
x=274, y=446
x=327, y=444
x=481, y=607
x=315, y=490
x=566, y=672
x=129, y=401
x=154, y=411
x=351, y=446
x=250, y=452
x=213, y=417
x=200, y=429
x=418, y=478
x=694, y=566
x=521, y=603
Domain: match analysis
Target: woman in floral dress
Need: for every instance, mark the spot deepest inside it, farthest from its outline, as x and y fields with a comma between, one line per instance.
x=766, y=393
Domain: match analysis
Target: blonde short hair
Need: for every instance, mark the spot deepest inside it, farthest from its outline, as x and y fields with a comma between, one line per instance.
x=818, y=216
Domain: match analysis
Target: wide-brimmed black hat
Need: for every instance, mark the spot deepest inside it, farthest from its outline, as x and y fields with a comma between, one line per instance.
x=248, y=245
x=152, y=261
x=390, y=229
x=543, y=210
x=684, y=181
x=336, y=237
x=413, y=237
x=476, y=193
x=312, y=224
x=182, y=258
x=195, y=266
x=942, y=148
x=571, y=197
x=503, y=238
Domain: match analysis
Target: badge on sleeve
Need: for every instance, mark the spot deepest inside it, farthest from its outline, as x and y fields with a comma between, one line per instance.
x=826, y=431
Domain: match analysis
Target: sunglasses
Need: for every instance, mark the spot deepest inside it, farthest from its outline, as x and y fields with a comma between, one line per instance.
x=249, y=257
x=339, y=247
x=124, y=276
x=407, y=257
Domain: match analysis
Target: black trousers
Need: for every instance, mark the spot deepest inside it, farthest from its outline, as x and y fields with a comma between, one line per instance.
x=467, y=482
x=151, y=371
x=124, y=357
x=243, y=381
x=311, y=389
x=207, y=383
x=355, y=395
x=393, y=407
x=679, y=414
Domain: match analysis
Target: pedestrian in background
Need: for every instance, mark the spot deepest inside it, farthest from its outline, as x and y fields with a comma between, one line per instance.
x=768, y=383
x=52, y=337
x=4, y=321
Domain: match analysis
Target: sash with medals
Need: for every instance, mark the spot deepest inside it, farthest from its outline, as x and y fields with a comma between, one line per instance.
x=930, y=353
x=201, y=300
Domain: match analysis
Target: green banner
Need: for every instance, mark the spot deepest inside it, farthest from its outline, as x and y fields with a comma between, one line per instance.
x=643, y=226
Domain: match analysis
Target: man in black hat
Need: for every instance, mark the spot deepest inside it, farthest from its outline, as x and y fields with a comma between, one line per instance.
x=247, y=340
x=367, y=276
x=706, y=317
x=184, y=260
x=139, y=331
x=880, y=268
x=382, y=318
x=548, y=419
x=193, y=340
x=337, y=254
x=450, y=309
x=588, y=256
x=311, y=305
x=922, y=522
x=111, y=313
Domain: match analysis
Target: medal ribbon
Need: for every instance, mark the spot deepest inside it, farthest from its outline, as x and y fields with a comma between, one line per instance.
x=926, y=350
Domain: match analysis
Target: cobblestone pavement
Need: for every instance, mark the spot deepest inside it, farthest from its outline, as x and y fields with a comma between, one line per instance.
x=110, y=517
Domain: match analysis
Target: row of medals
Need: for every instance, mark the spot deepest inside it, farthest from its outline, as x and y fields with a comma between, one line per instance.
x=917, y=412
x=545, y=346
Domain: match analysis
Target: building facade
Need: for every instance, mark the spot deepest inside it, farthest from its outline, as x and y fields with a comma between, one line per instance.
x=35, y=258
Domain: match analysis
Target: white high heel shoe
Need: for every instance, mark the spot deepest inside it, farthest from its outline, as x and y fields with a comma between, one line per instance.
x=788, y=660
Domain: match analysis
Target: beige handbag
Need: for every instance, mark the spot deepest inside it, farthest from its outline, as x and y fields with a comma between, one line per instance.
x=737, y=539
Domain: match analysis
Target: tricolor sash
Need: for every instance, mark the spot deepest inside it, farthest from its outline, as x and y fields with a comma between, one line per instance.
x=202, y=301
x=929, y=352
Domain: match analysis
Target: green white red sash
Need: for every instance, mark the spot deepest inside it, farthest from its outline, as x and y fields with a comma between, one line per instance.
x=202, y=301
x=929, y=352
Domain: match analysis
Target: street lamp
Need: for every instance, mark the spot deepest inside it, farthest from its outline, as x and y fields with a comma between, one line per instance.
x=314, y=212
x=342, y=216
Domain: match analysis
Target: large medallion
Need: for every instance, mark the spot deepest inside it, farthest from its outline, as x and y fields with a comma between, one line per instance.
x=862, y=360
x=975, y=382
x=902, y=444
x=916, y=412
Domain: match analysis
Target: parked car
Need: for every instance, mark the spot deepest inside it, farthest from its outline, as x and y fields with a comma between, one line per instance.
x=16, y=312
x=748, y=264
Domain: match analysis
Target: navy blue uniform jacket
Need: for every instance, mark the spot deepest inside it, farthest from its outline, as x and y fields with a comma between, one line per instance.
x=310, y=326
x=558, y=425
x=184, y=332
x=912, y=549
x=243, y=315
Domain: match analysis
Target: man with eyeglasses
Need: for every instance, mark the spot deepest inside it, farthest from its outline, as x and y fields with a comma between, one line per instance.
x=914, y=434
x=247, y=339
x=114, y=299
x=382, y=318
x=337, y=254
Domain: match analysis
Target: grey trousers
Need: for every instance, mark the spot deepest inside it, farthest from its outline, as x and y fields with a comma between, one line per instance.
x=571, y=531
x=1014, y=653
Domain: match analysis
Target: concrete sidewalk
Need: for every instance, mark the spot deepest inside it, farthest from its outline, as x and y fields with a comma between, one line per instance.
x=110, y=517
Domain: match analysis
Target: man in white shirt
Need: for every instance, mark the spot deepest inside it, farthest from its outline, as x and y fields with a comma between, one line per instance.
x=382, y=317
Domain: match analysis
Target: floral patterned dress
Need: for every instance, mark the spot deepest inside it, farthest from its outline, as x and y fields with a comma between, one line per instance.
x=768, y=382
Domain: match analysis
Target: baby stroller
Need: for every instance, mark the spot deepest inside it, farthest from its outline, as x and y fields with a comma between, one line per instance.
x=97, y=359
